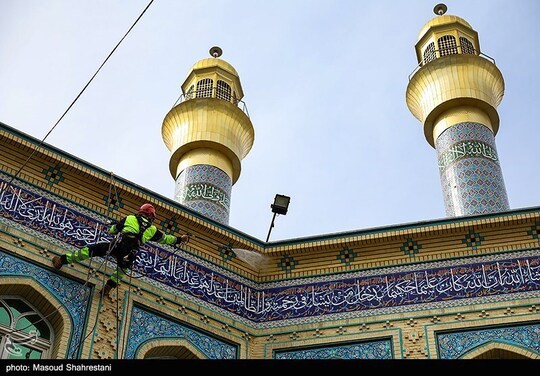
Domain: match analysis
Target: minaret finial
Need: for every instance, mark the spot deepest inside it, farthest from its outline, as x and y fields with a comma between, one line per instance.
x=440, y=9
x=216, y=51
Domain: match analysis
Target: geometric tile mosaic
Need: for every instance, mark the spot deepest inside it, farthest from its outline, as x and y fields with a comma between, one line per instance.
x=74, y=296
x=473, y=240
x=113, y=202
x=456, y=345
x=471, y=176
x=205, y=189
x=535, y=231
x=287, y=263
x=381, y=349
x=226, y=252
x=363, y=293
x=170, y=225
x=146, y=326
x=53, y=175
x=346, y=256
x=411, y=247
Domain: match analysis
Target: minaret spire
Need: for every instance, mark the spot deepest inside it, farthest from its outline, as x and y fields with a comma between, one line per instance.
x=454, y=92
x=208, y=135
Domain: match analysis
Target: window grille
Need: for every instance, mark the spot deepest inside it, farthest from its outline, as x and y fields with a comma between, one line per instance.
x=223, y=91
x=204, y=88
x=466, y=46
x=190, y=94
x=429, y=53
x=447, y=45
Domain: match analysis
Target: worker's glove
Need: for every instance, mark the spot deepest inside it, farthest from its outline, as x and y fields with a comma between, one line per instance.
x=182, y=239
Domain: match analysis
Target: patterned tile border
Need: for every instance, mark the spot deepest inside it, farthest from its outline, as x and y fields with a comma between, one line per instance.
x=147, y=326
x=456, y=344
x=379, y=291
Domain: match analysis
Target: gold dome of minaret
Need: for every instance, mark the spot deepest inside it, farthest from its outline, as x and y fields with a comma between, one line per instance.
x=465, y=78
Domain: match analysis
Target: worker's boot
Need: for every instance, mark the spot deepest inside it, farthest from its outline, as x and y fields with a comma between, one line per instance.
x=106, y=289
x=57, y=262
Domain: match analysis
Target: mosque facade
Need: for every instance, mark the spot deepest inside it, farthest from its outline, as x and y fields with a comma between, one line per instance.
x=463, y=287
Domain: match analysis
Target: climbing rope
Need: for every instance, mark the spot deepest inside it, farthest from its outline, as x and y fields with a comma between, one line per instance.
x=14, y=176
x=112, y=245
x=80, y=93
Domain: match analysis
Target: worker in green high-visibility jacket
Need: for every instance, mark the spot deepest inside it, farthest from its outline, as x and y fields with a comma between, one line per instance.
x=133, y=231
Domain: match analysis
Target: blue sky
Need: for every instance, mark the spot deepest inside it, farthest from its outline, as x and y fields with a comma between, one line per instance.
x=324, y=84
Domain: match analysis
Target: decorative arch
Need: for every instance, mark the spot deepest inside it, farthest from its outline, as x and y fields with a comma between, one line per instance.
x=177, y=348
x=519, y=337
x=499, y=350
x=47, y=304
x=149, y=326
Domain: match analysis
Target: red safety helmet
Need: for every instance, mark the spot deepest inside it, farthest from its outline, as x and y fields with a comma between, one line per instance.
x=148, y=210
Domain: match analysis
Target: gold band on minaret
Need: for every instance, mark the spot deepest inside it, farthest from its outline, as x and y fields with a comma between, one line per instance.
x=208, y=135
x=463, y=87
x=207, y=131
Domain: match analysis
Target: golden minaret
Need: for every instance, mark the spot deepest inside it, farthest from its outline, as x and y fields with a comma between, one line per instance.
x=454, y=92
x=208, y=135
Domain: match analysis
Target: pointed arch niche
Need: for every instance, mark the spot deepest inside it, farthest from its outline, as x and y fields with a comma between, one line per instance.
x=152, y=334
x=513, y=337
x=500, y=350
x=169, y=348
x=44, y=304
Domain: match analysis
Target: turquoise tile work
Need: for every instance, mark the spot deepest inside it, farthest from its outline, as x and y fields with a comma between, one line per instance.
x=471, y=176
x=427, y=285
x=171, y=225
x=411, y=247
x=53, y=175
x=147, y=326
x=347, y=255
x=287, y=263
x=473, y=240
x=456, y=345
x=205, y=189
x=380, y=349
x=535, y=231
x=113, y=202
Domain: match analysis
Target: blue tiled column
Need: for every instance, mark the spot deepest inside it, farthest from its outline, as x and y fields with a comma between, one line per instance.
x=471, y=176
x=205, y=189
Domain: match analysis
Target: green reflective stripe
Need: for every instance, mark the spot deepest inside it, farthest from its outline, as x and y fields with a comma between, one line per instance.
x=149, y=233
x=78, y=256
x=168, y=239
x=118, y=274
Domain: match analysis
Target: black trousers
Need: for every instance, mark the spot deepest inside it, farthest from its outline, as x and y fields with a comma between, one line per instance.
x=124, y=250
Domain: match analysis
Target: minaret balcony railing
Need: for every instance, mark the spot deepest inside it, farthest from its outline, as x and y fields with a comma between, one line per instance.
x=215, y=92
x=441, y=53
